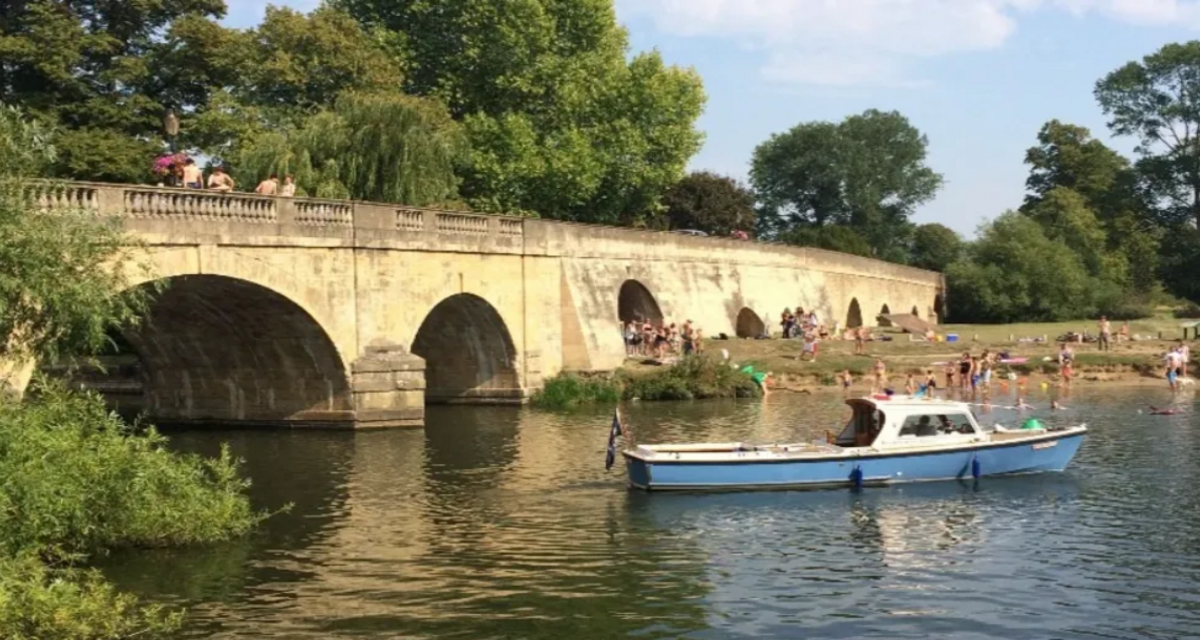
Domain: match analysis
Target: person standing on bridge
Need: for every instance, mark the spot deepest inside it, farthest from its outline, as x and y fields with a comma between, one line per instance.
x=220, y=181
x=268, y=187
x=288, y=190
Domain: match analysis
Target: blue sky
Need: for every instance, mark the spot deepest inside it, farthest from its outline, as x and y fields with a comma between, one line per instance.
x=978, y=77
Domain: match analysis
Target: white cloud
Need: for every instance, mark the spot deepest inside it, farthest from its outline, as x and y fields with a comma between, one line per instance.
x=846, y=42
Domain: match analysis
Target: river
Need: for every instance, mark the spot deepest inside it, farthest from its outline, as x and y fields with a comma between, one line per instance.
x=502, y=523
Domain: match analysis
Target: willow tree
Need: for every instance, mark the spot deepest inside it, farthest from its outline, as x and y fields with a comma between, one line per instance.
x=382, y=147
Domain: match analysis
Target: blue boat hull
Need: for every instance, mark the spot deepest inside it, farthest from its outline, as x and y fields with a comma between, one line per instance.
x=1051, y=453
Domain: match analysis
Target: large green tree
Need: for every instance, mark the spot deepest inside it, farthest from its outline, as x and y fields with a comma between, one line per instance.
x=1157, y=101
x=562, y=122
x=1015, y=273
x=867, y=172
x=935, y=246
x=709, y=202
x=1091, y=197
x=88, y=65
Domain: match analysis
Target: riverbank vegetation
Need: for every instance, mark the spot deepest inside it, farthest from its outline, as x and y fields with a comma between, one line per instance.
x=691, y=378
x=75, y=480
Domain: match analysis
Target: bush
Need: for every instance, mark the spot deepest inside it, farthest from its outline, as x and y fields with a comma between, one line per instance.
x=70, y=604
x=75, y=479
x=567, y=390
x=696, y=377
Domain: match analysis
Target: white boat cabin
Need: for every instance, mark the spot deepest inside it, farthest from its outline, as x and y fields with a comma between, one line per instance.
x=903, y=421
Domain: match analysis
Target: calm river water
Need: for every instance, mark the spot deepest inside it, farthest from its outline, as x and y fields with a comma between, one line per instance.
x=502, y=523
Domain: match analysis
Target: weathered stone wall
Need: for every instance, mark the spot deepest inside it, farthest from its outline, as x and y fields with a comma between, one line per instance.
x=334, y=312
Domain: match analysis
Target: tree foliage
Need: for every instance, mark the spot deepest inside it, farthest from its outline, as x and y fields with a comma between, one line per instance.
x=90, y=66
x=935, y=247
x=830, y=238
x=711, y=203
x=867, y=172
x=1015, y=273
x=1157, y=101
x=379, y=147
x=559, y=120
x=63, y=275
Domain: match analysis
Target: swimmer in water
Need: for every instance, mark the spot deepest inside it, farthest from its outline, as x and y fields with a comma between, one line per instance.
x=1055, y=406
x=1155, y=411
x=1021, y=406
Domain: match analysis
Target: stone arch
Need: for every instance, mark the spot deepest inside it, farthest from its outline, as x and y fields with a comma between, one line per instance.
x=469, y=353
x=635, y=302
x=915, y=311
x=884, y=322
x=854, y=317
x=217, y=348
x=749, y=325
x=938, y=313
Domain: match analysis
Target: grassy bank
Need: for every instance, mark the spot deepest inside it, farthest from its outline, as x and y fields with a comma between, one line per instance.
x=698, y=377
x=75, y=482
x=1129, y=360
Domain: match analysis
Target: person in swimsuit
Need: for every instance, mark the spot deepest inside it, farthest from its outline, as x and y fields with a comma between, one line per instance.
x=964, y=370
x=951, y=369
x=880, y=375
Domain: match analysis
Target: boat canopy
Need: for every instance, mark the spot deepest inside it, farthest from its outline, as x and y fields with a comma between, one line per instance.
x=904, y=421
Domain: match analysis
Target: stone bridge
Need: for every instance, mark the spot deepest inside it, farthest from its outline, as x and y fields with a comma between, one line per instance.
x=319, y=312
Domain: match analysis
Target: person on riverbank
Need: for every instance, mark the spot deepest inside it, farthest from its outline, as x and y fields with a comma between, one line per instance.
x=1185, y=356
x=880, y=371
x=965, y=369
x=910, y=385
x=1174, y=365
x=950, y=370
x=985, y=370
x=1066, y=360
x=1105, y=331
x=860, y=341
x=632, y=339
x=930, y=382
x=846, y=378
x=809, y=352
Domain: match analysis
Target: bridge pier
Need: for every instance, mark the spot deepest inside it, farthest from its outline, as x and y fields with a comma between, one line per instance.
x=388, y=387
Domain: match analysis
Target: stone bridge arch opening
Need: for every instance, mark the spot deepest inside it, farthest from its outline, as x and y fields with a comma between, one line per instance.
x=916, y=312
x=469, y=354
x=854, y=318
x=749, y=325
x=635, y=302
x=938, y=312
x=220, y=349
x=884, y=322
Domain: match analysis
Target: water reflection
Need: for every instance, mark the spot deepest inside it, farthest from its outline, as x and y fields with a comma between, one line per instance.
x=501, y=523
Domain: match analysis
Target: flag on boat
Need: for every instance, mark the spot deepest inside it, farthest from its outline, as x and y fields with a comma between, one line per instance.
x=613, y=434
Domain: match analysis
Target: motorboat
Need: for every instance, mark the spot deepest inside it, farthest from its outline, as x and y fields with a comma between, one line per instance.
x=888, y=440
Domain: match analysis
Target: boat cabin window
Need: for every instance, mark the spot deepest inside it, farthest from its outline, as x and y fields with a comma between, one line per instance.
x=936, y=425
x=864, y=426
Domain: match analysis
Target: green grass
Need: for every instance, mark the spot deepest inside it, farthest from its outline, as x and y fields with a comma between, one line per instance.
x=568, y=390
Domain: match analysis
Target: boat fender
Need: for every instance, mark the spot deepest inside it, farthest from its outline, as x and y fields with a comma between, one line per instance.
x=975, y=468
x=856, y=477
